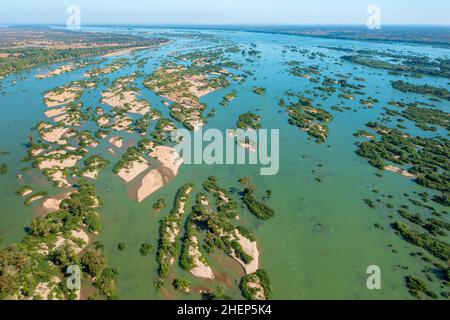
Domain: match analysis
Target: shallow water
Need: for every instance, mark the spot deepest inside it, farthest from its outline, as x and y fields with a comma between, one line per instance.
x=322, y=238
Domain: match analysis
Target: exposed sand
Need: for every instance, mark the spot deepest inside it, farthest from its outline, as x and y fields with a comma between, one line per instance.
x=55, y=135
x=55, y=112
x=81, y=234
x=44, y=289
x=201, y=270
x=122, y=123
x=91, y=174
x=126, y=99
x=36, y=152
x=152, y=182
x=27, y=192
x=60, y=70
x=121, y=52
x=60, y=178
x=400, y=171
x=259, y=295
x=251, y=249
x=78, y=234
x=168, y=157
x=158, y=177
x=173, y=84
x=68, y=162
x=35, y=198
x=133, y=170
x=62, y=117
x=57, y=98
x=52, y=204
x=103, y=121
x=116, y=141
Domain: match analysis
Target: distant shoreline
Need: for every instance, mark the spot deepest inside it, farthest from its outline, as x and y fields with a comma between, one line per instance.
x=432, y=35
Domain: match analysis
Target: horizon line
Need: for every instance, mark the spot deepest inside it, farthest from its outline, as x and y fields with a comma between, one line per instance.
x=225, y=24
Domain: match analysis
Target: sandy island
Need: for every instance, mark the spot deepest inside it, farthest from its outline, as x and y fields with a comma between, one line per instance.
x=201, y=270
x=55, y=135
x=158, y=177
x=52, y=204
x=400, y=171
x=116, y=141
x=133, y=170
x=251, y=249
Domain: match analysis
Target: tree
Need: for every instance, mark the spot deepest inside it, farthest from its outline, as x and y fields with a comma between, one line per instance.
x=94, y=262
x=65, y=255
x=145, y=249
x=181, y=285
x=40, y=227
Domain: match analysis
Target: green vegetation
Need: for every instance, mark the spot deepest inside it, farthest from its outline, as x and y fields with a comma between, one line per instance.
x=181, y=285
x=24, y=190
x=61, y=46
x=23, y=266
x=256, y=286
x=428, y=157
x=131, y=155
x=122, y=246
x=106, y=283
x=93, y=164
x=102, y=133
x=425, y=118
x=309, y=118
x=94, y=262
x=225, y=203
x=191, y=250
x=3, y=169
x=146, y=249
x=437, y=248
x=185, y=83
x=259, y=90
x=163, y=129
x=170, y=226
x=417, y=286
x=405, y=64
x=159, y=205
x=259, y=209
x=369, y=203
x=440, y=93
x=433, y=226
x=228, y=98
x=37, y=195
x=249, y=121
x=219, y=294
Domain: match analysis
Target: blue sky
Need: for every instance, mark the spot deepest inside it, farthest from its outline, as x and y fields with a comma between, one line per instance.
x=226, y=11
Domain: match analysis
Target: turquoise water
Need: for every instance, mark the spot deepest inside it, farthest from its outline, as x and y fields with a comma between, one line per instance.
x=322, y=238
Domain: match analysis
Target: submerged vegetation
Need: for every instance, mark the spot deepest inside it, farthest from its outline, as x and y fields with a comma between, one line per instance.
x=428, y=158
x=3, y=169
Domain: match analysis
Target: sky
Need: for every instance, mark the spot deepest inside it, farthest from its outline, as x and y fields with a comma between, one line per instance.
x=300, y=12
